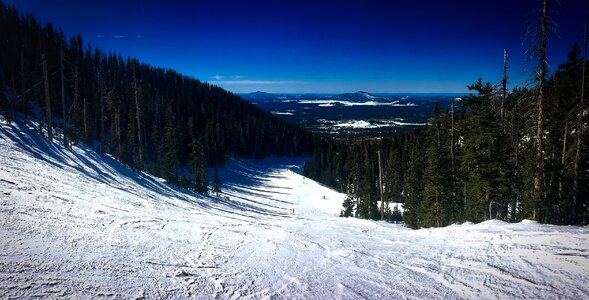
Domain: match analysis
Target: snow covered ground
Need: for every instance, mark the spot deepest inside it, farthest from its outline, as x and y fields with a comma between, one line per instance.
x=75, y=224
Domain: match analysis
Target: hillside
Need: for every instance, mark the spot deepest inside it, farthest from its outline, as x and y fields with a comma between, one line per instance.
x=152, y=118
x=77, y=224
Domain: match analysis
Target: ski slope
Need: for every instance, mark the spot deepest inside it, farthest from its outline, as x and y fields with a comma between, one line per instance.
x=75, y=224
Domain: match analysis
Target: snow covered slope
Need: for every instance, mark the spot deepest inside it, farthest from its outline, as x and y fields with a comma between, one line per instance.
x=76, y=224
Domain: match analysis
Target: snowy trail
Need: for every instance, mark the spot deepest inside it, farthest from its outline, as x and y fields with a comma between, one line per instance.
x=75, y=224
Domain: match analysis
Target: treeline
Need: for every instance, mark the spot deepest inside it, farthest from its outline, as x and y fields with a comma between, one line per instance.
x=477, y=158
x=153, y=119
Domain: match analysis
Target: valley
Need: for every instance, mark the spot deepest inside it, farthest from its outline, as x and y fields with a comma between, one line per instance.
x=350, y=115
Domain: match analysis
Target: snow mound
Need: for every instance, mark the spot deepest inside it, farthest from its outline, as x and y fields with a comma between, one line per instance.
x=76, y=224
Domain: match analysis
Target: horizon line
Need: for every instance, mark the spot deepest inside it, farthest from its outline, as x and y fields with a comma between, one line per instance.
x=339, y=93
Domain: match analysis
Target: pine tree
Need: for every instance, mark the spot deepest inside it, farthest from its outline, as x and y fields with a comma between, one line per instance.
x=348, y=207
x=485, y=163
x=366, y=187
x=436, y=192
x=113, y=101
x=216, y=182
x=198, y=167
x=138, y=118
x=437, y=176
x=413, y=185
x=170, y=151
x=63, y=96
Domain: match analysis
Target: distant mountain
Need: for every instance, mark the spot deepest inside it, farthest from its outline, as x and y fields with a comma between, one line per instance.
x=358, y=96
x=259, y=96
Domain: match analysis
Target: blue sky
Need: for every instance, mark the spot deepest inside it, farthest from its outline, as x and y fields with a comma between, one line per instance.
x=320, y=46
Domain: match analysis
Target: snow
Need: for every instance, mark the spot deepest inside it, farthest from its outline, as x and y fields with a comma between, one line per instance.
x=408, y=123
x=330, y=103
x=356, y=124
x=362, y=124
x=392, y=206
x=286, y=113
x=75, y=224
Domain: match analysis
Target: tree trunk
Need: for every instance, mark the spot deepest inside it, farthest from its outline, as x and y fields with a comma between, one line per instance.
x=12, y=104
x=543, y=70
x=516, y=162
x=76, y=90
x=138, y=116
x=380, y=185
x=580, y=124
x=48, y=117
x=452, y=138
x=504, y=85
x=118, y=133
x=85, y=121
x=23, y=98
x=437, y=209
x=101, y=101
x=563, y=160
x=63, y=114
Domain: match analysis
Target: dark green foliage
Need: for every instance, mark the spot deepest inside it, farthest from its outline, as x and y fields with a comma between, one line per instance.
x=348, y=205
x=393, y=215
x=413, y=183
x=216, y=182
x=436, y=194
x=484, y=161
x=199, y=168
x=436, y=202
x=478, y=169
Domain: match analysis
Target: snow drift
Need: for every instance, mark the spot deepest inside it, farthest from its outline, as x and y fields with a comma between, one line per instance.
x=78, y=224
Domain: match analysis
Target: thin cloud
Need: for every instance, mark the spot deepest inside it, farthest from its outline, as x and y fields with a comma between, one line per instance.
x=139, y=36
x=99, y=36
x=234, y=77
x=120, y=36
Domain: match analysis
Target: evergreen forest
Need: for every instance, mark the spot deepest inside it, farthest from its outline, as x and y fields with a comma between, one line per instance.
x=478, y=158
x=150, y=118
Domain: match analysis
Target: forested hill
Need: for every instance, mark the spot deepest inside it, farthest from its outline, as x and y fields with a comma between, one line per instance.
x=151, y=118
x=501, y=152
x=476, y=160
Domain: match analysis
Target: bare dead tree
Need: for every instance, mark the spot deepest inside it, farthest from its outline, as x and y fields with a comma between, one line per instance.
x=580, y=122
x=101, y=101
x=63, y=114
x=47, y=98
x=23, y=80
x=504, y=84
x=76, y=96
x=138, y=117
x=85, y=120
x=541, y=78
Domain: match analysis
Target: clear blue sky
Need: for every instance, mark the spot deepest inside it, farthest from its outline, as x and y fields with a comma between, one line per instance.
x=320, y=46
